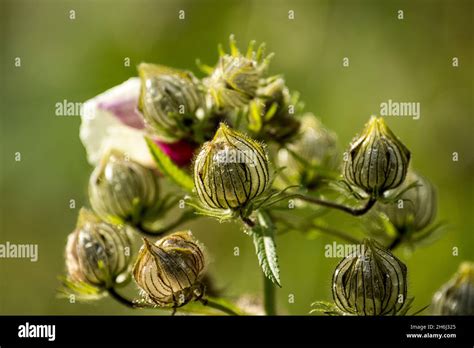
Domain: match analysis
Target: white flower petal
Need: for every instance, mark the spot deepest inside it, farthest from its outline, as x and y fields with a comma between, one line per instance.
x=102, y=130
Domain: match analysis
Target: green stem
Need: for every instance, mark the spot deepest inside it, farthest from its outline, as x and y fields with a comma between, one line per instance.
x=268, y=296
x=351, y=210
x=219, y=306
x=186, y=216
x=119, y=298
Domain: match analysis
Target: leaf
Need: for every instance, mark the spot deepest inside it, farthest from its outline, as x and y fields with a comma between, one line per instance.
x=265, y=248
x=167, y=167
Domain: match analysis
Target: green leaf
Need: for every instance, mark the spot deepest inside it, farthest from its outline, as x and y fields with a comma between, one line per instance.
x=264, y=241
x=167, y=167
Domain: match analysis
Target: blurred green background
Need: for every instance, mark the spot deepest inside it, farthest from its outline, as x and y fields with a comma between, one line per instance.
x=402, y=60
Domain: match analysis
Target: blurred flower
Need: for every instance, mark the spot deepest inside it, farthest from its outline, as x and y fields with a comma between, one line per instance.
x=170, y=100
x=97, y=253
x=122, y=189
x=169, y=271
x=111, y=120
x=417, y=208
x=235, y=79
x=456, y=297
x=231, y=170
x=272, y=114
x=311, y=154
x=378, y=160
x=370, y=281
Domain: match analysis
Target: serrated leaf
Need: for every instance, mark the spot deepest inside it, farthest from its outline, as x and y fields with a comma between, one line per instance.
x=168, y=168
x=265, y=248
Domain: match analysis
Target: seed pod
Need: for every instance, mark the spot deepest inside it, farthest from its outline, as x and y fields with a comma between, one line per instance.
x=416, y=207
x=314, y=150
x=377, y=160
x=231, y=170
x=456, y=297
x=370, y=281
x=169, y=271
x=235, y=79
x=169, y=100
x=97, y=253
x=123, y=189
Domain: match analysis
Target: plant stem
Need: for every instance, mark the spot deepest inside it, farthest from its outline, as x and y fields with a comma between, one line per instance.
x=268, y=296
x=219, y=306
x=351, y=210
x=186, y=216
x=337, y=233
x=116, y=296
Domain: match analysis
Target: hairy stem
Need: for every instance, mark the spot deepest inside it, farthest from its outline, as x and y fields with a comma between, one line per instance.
x=219, y=306
x=268, y=296
x=119, y=298
x=337, y=233
x=351, y=210
x=186, y=216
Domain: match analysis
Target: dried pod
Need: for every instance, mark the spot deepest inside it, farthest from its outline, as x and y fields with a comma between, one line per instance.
x=169, y=271
x=231, y=170
x=416, y=207
x=456, y=297
x=378, y=160
x=370, y=281
x=312, y=152
x=97, y=253
x=120, y=188
x=170, y=100
x=235, y=79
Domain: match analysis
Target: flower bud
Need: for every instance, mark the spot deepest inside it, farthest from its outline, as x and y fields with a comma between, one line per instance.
x=123, y=189
x=271, y=115
x=370, y=281
x=97, y=253
x=235, y=79
x=377, y=160
x=170, y=100
x=314, y=150
x=231, y=170
x=416, y=207
x=169, y=271
x=456, y=297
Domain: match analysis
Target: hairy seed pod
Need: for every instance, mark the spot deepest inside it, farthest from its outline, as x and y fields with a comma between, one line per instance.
x=97, y=253
x=120, y=188
x=170, y=100
x=235, y=79
x=231, y=170
x=169, y=271
x=456, y=297
x=370, y=281
x=377, y=161
x=416, y=207
x=314, y=150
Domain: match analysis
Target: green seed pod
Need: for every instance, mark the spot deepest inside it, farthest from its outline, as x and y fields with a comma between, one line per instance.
x=122, y=189
x=169, y=271
x=170, y=100
x=97, y=253
x=312, y=152
x=235, y=79
x=370, y=281
x=456, y=297
x=416, y=207
x=377, y=160
x=231, y=170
